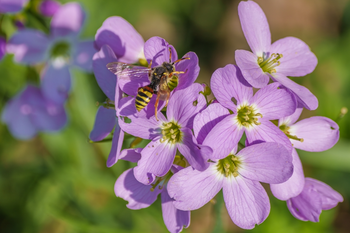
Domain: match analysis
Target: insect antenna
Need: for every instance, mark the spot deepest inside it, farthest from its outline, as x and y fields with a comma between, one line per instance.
x=181, y=59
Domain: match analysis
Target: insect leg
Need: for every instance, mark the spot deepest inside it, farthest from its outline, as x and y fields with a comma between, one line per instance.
x=181, y=59
x=169, y=54
x=156, y=106
x=167, y=98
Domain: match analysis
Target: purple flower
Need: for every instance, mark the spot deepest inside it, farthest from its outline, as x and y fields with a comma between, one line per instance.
x=30, y=112
x=286, y=57
x=106, y=117
x=157, y=50
x=315, y=197
x=2, y=47
x=251, y=114
x=12, y=6
x=167, y=134
x=311, y=134
x=49, y=7
x=238, y=174
x=61, y=49
x=142, y=196
x=126, y=43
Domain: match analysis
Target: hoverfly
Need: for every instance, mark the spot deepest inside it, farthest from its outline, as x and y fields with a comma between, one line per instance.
x=163, y=80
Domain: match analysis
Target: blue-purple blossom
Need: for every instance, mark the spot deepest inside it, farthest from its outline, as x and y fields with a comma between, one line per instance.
x=12, y=6
x=60, y=50
x=167, y=134
x=286, y=57
x=29, y=112
x=251, y=113
x=315, y=197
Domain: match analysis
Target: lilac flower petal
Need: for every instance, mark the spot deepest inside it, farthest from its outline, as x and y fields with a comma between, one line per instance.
x=68, y=20
x=16, y=114
x=185, y=104
x=273, y=102
x=193, y=154
x=29, y=46
x=319, y=134
x=12, y=6
x=83, y=53
x=175, y=220
x=192, y=189
x=329, y=196
x=227, y=83
x=122, y=37
x=143, y=127
x=131, y=155
x=297, y=58
x=191, y=69
x=157, y=50
x=117, y=143
x=291, y=119
x=2, y=47
x=56, y=82
x=29, y=112
x=104, y=123
x=307, y=99
x=223, y=137
x=156, y=160
x=49, y=7
x=307, y=206
x=266, y=162
x=47, y=115
x=105, y=79
x=268, y=132
x=246, y=201
x=294, y=185
x=137, y=194
x=251, y=71
x=207, y=119
x=255, y=27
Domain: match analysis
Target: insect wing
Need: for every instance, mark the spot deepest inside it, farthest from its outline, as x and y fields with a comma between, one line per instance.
x=126, y=70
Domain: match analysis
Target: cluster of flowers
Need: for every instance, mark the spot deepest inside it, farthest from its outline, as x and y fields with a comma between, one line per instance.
x=198, y=147
x=41, y=108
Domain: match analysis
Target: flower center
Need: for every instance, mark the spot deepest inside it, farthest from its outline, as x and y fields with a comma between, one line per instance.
x=229, y=166
x=268, y=64
x=247, y=116
x=60, y=49
x=173, y=82
x=171, y=132
x=285, y=130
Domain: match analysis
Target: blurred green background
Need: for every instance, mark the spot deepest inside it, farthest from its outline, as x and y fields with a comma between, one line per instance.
x=58, y=183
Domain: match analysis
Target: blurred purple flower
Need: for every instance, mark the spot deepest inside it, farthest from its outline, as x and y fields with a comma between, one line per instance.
x=2, y=47
x=12, y=6
x=29, y=112
x=49, y=7
x=142, y=196
x=315, y=197
x=61, y=50
x=238, y=174
x=168, y=135
x=251, y=114
x=286, y=57
x=312, y=134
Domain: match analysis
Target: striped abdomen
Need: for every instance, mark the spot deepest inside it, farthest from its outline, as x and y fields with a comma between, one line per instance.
x=143, y=97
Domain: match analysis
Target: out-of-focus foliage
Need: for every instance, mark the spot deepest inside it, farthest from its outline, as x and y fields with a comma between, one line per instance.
x=59, y=183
